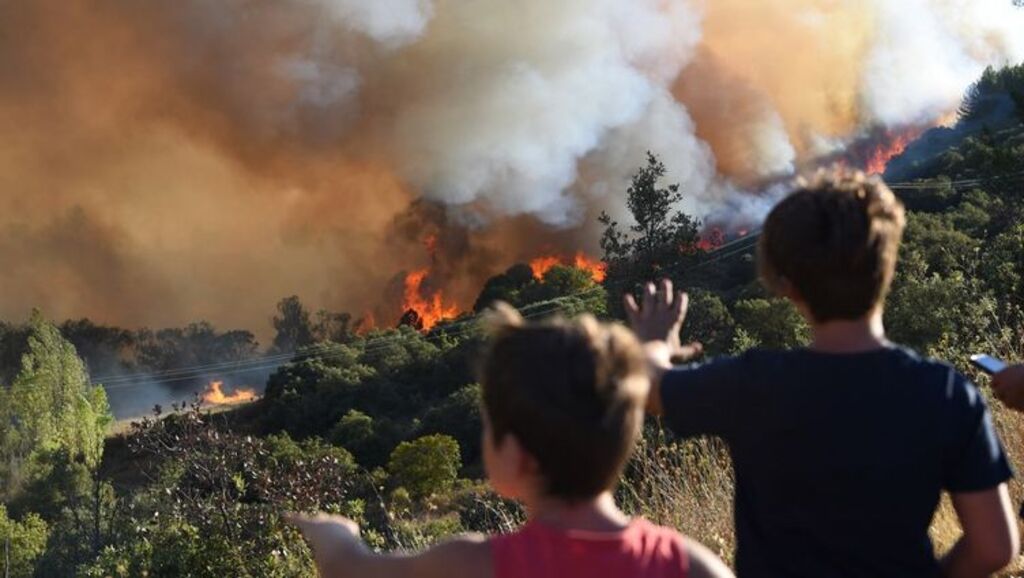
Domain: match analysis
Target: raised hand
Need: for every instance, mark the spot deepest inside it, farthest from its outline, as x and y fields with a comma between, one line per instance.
x=660, y=318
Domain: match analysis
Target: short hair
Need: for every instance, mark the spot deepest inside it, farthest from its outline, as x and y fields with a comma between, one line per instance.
x=573, y=394
x=835, y=240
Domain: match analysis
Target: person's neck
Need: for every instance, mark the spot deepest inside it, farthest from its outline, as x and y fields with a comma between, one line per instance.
x=849, y=336
x=598, y=514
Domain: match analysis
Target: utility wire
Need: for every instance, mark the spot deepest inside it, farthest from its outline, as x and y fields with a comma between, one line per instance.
x=459, y=327
x=456, y=329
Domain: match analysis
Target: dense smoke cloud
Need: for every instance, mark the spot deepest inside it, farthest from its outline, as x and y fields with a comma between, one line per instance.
x=166, y=161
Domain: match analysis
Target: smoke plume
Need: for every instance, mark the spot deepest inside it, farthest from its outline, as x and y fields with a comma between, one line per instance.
x=168, y=161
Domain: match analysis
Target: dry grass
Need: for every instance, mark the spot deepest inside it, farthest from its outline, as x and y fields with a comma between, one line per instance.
x=690, y=486
x=683, y=485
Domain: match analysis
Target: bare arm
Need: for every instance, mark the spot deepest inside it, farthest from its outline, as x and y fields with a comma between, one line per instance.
x=340, y=553
x=704, y=563
x=990, y=540
x=1008, y=386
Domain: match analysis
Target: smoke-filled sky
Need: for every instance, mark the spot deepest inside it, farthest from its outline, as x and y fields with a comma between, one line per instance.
x=163, y=162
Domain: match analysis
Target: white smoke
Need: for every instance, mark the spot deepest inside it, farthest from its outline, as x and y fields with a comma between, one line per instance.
x=390, y=22
x=194, y=133
x=519, y=92
x=926, y=52
x=490, y=106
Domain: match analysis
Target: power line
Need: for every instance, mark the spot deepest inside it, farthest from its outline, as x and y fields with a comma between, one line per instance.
x=463, y=326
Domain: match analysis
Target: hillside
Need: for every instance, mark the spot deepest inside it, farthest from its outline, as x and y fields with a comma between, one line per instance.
x=382, y=425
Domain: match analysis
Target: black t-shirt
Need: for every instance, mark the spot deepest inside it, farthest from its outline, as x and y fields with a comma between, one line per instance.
x=840, y=459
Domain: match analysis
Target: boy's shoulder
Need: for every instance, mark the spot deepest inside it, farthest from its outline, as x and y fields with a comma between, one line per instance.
x=895, y=363
x=935, y=376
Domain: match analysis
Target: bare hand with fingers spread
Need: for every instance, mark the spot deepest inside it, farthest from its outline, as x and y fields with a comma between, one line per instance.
x=840, y=449
x=661, y=317
x=658, y=323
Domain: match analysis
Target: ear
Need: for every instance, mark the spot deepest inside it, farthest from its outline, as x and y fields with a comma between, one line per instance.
x=526, y=465
x=789, y=291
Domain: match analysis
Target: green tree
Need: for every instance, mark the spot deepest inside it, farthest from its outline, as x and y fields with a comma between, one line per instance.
x=336, y=327
x=76, y=505
x=575, y=289
x=355, y=432
x=25, y=542
x=709, y=322
x=293, y=326
x=660, y=231
x=50, y=406
x=505, y=287
x=771, y=323
x=426, y=466
x=660, y=236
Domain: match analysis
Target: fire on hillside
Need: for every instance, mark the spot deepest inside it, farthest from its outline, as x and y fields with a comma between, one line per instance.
x=214, y=395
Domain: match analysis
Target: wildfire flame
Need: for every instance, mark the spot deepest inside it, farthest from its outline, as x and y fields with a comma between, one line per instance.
x=214, y=395
x=431, y=309
x=885, y=151
x=366, y=324
x=597, y=270
x=430, y=242
x=712, y=239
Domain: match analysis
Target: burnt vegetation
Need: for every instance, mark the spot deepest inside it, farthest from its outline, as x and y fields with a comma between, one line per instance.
x=382, y=424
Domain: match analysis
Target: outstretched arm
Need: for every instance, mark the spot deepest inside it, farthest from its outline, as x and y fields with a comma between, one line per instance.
x=990, y=540
x=704, y=563
x=340, y=553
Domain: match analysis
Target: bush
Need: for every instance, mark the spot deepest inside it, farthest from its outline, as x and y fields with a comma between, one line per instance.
x=426, y=466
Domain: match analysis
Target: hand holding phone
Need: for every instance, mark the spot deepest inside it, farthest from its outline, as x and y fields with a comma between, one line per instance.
x=987, y=363
x=1008, y=387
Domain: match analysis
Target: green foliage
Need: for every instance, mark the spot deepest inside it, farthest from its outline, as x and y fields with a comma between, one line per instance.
x=459, y=416
x=568, y=289
x=214, y=505
x=205, y=492
x=51, y=406
x=1007, y=82
x=505, y=287
x=771, y=323
x=426, y=466
x=25, y=542
x=925, y=310
x=355, y=432
x=660, y=236
x=709, y=322
x=293, y=326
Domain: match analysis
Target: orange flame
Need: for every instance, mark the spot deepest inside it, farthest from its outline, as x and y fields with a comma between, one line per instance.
x=430, y=242
x=431, y=310
x=214, y=395
x=712, y=239
x=884, y=152
x=542, y=265
x=597, y=270
x=367, y=324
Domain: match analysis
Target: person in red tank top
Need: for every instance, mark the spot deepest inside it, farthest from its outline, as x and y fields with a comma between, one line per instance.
x=563, y=405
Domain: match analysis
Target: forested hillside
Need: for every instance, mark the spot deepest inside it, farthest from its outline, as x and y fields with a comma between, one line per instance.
x=382, y=425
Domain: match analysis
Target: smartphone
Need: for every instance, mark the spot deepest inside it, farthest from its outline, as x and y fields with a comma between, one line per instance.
x=987, y=363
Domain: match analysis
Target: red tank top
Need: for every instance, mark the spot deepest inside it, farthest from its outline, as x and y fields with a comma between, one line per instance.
x=641, y=550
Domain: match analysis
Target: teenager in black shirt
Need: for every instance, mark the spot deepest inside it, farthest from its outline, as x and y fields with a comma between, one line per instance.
x=841, y=450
